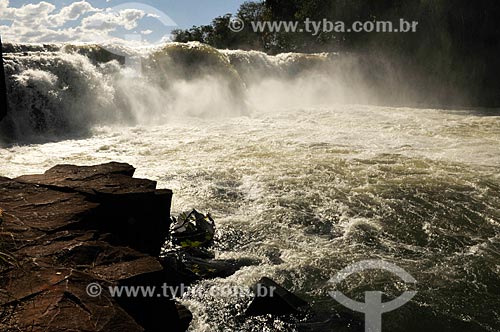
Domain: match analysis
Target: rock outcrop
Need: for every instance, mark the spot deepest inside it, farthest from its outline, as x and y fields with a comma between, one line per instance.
x=75, y=226
x=273, y=299
x=131, y=210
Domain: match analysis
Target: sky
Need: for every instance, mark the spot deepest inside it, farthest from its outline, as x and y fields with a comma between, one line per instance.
x=147, y=21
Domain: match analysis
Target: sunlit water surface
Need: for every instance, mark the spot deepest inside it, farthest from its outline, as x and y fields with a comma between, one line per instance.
x=306, y=192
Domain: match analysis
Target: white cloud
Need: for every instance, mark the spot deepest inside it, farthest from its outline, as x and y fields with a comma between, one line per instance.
x=147, y=32
x=32, y=15
x=166, y=39
x=71, y=13
x=110, y=20
x=41, y=22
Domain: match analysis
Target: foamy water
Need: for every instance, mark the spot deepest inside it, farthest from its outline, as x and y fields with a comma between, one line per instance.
x=296, y=178
x=308, y=191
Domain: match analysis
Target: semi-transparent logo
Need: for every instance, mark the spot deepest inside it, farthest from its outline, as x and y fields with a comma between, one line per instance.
x=373, y=307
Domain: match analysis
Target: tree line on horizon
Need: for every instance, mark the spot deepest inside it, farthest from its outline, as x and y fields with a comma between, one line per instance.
x=457, y=41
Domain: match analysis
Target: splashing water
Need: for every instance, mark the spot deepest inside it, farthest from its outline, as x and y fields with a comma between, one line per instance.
x=63, y=91
x=297, y=180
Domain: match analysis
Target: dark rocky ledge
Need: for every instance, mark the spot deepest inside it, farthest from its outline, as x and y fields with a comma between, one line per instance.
x=72, y=226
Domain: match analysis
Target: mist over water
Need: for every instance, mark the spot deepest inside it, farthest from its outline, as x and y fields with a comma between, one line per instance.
x=62, y=91
x=298, y=175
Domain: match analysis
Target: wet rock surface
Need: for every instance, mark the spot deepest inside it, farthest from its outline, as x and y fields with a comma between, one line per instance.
x=48, y=298
x=273, y=299
x=131, y=210
x=191, y=266
x=74, y=226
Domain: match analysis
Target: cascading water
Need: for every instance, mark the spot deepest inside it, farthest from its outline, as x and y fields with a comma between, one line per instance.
x=295, y=178
x=64, y=90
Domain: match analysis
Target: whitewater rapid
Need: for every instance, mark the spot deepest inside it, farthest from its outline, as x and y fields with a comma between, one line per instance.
x=307, y=191
x=297, y=178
